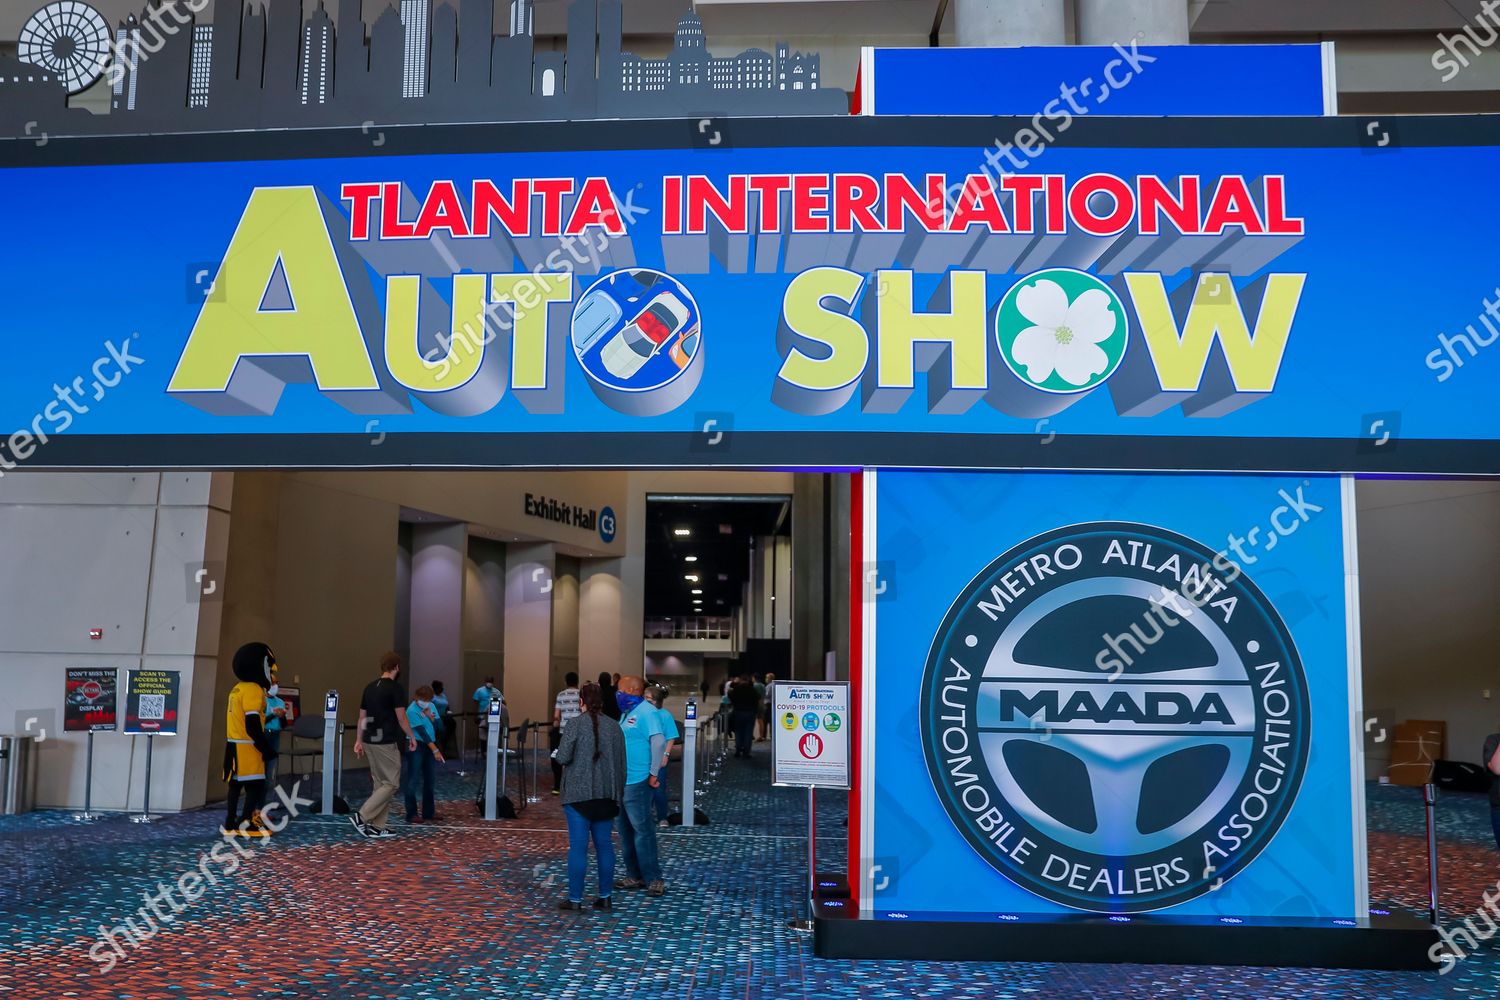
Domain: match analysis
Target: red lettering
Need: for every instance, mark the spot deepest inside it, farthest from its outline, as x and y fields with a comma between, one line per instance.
x=978, y=206
x=391, y=226
x=441, y=210
x=1277, y=221
x=552, y=190
x=1182, y=211
x=671, y=206
x=809, y=195
x=1081, y=204
x=1232, y=206
x=361, y=198
x=596, y=207
x=1025, y=187
x=902, y=199
x=770, y=187
x=514, y=213
x=703, y=200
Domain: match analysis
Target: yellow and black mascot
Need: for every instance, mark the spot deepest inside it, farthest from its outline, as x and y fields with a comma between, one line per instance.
x=247, y=749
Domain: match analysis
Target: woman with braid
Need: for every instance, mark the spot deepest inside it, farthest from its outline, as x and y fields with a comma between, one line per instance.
x=593, y=761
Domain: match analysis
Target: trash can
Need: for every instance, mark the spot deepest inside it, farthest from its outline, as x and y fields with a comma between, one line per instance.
x=17, y=774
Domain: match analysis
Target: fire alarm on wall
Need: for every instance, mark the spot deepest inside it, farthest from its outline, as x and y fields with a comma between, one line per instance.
x=96, y=633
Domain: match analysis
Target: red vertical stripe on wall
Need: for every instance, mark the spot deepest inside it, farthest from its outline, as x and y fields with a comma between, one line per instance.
x=856, y=671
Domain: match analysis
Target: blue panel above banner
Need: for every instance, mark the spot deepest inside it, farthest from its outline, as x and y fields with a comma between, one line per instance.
x=1124, y=80
x=1110, y=693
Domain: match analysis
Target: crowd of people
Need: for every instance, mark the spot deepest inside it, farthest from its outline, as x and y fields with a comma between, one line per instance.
x=611, y=773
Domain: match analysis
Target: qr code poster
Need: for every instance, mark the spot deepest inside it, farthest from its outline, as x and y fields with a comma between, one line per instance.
x=151, y=700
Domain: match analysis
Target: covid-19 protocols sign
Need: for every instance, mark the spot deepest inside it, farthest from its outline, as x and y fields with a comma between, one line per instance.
x=1152, y=294
x=1111, y=693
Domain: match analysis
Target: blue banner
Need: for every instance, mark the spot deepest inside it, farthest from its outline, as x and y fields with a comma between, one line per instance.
x=1110, y=693
x=1142, y=297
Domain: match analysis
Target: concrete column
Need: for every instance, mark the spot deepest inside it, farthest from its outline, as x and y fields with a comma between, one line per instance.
x=139, y=556
x=609, y=620
x=437, y=607
x=1009, y=22
x=1149, y=22
x=530, y=572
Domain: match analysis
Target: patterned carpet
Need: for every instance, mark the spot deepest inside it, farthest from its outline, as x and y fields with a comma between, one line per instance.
x=462, y=909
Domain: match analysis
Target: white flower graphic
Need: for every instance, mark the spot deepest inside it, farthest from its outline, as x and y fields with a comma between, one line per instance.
x=1065, y=336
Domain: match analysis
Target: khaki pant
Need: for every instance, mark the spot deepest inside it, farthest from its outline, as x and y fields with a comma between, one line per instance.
x=385, y=772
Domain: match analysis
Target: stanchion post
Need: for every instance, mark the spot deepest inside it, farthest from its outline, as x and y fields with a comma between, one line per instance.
x=805, y=926
x=536, y=738
x=493, y=736
x=689, y=761
x=1429, y=803
x=88, y=816
x=331, y=749
x=145, y=816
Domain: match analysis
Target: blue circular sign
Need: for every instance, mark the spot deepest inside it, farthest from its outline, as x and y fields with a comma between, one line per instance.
x=637, y=334
x=1137, y=774
x=607, y=524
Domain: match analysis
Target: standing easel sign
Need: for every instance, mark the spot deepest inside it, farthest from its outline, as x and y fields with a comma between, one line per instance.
x=90, y=705
x=90, y=701
x=810, y=741
x=151, y=710
x=810, y=749
x=151, y=702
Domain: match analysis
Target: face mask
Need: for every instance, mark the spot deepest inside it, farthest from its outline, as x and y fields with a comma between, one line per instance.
x=424, y=705
x=272, y=690
x=627, y=702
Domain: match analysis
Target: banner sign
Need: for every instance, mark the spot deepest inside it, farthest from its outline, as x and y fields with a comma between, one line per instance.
x=1147, y=294
x=1102, y=693
x=89, y=704
x=810, y=734
x=151, y=701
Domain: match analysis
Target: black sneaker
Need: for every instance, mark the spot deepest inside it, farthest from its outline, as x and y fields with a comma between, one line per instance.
x=629, y=883
x=568, y=905
x=604, y=903
x=360, y=824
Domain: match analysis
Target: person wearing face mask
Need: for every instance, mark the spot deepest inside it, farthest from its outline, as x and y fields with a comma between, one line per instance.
x=276, y=721
x=645, y=746
x=421, y=762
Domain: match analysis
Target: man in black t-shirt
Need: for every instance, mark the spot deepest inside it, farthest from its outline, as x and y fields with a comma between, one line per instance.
x=1492, y=764
x=383, y=730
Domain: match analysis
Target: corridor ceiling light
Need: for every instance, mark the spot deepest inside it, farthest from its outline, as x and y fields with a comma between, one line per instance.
x=689, y=558
x=682, y=531
x=691, y=576
x=697, y=591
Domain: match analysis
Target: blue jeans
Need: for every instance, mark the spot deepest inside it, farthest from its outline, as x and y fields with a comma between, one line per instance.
x=580, y=831
x=1495, y=822
x=638, y=833
x=420, y=760
x=659, y=794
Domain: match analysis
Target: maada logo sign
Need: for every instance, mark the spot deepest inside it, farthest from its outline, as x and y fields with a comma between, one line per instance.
x=1114, y=791
x=383, y=298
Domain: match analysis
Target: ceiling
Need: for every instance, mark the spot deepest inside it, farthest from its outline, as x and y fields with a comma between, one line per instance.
x=723, y=557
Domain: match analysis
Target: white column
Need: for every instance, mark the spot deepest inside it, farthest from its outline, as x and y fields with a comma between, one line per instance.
x=438, y=556
x=1148, y=22
x=529, y=580
x=1009, y=22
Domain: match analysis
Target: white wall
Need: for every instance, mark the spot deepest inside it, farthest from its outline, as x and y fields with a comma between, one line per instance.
x=117, y=552
x=1430, y=608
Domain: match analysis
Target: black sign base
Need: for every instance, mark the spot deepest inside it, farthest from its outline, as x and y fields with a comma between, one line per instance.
x=1396, y=941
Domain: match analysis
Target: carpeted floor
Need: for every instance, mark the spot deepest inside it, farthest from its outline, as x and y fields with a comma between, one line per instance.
x=462, y=909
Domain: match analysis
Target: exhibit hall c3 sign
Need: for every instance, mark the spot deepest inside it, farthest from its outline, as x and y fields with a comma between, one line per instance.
x=293, y=297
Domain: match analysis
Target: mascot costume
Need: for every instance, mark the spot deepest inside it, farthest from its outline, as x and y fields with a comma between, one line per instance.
x=247, y=749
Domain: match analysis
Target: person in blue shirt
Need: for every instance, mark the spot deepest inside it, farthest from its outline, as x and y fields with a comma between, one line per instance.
x=645, y=745
x=657, y=695
x=421, y=763
x=276, y=720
